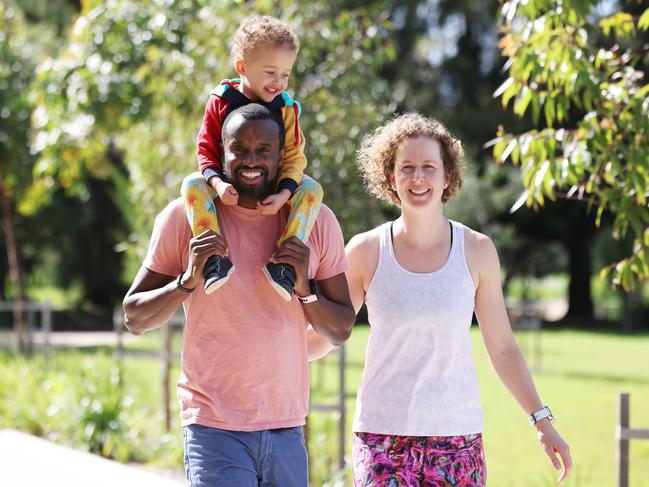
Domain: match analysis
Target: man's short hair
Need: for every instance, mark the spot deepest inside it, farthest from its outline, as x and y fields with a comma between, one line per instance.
x=255, y=111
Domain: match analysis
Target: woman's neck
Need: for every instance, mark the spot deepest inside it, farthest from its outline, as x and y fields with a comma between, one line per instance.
x=421, y=229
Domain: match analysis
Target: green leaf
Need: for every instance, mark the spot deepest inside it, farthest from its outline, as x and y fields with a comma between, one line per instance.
x=522, y=101
x=549, y=111
x=508, y=150
x=643, y=21
x=501, y=89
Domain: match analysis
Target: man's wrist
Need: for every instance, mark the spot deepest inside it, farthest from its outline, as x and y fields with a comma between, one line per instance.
x=184, y=286
x=310, y=296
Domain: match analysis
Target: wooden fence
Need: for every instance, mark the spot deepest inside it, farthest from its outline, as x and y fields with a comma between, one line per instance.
x=623, y=435
x=28, y=336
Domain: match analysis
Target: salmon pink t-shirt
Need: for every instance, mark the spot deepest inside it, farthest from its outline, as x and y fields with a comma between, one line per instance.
x=244, y=360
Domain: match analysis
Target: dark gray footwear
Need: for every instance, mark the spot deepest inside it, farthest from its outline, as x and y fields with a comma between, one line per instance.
x=217, y=272
x=282, y=278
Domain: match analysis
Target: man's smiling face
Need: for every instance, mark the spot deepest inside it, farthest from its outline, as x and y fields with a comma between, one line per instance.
x=252, y=153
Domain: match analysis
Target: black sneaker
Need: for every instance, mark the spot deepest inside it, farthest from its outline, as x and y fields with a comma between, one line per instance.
x=217, y=271
x=282, y=278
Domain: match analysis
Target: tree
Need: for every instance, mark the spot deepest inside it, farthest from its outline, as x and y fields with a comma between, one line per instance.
x=15, y=161
x=587, y=82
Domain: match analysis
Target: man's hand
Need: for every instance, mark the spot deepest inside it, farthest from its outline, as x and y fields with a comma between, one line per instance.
x=227, y=193
x=200, y=249
x=296, y=254
x=271, y=204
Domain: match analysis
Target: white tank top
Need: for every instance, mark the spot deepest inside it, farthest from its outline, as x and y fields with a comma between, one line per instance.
x=419, y=378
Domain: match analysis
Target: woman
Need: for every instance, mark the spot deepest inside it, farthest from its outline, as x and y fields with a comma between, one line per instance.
x=418, y=418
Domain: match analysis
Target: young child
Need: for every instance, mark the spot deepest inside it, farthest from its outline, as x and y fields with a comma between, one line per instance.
x=264, y=50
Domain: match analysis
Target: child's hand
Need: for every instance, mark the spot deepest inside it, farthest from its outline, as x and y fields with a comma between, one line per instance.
x=227, y=193
x=271, y=204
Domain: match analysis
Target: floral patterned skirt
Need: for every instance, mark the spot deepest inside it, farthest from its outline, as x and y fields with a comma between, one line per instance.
x=418, y=461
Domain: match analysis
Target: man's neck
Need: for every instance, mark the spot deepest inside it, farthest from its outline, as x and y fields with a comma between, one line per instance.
x=248, y=202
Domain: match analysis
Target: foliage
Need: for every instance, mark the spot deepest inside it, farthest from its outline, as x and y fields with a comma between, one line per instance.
x=562, y=67
x=134, y=78
x=82, y=402
x=16, y=72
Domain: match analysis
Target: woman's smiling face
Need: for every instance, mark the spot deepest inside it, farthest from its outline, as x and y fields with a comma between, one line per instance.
x=418, y=175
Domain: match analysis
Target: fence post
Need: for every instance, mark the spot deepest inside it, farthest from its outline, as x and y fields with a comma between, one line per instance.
x=343, y=416
x=622, y=440
x=166, y=372
x=46, y=321
x=118, y=327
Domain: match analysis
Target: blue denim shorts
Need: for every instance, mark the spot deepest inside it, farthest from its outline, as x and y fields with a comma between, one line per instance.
x=268, y=458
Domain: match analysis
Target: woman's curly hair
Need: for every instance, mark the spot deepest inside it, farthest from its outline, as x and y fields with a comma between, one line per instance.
x=376, y=156
x=260, y=30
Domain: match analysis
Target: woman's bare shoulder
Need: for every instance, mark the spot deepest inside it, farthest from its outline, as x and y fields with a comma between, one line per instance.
x=363, y=249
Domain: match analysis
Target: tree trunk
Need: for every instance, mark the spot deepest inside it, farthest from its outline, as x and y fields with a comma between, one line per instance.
x=15, y=274
x=580, y=303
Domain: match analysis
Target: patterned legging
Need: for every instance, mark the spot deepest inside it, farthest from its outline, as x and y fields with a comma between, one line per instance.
x=418, y=461
x=201, y=212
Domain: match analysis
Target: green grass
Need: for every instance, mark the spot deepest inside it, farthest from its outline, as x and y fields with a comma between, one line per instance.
x=581, y=375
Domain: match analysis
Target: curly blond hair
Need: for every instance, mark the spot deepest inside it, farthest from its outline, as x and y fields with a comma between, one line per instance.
x=376, y=156
x=262, y=30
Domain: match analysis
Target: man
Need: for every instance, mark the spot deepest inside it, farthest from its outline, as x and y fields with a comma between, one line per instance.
x=243, y=388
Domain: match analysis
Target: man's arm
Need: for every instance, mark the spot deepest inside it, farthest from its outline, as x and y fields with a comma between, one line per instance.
x=154, y=298
x=151, y=301
x=332, y=315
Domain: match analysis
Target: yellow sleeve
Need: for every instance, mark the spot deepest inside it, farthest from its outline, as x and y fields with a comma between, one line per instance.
x=294, y=161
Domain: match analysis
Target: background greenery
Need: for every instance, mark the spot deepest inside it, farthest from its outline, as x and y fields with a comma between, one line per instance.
x=101, y=102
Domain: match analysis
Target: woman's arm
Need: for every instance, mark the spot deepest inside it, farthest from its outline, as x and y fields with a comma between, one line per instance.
x=317, y=346
x=504, y=353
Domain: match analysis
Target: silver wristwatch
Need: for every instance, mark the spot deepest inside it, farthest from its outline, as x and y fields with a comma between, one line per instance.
x=542, y=413
x=310, y=298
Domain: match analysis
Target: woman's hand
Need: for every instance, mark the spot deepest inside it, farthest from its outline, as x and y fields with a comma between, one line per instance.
x=553, y=444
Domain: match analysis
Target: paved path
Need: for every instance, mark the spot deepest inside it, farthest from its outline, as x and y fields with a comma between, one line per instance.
x=71, y=338
x=28, y=461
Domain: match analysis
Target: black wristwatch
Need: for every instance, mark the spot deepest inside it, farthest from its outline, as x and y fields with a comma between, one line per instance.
x=314, y=293
x=180, y=286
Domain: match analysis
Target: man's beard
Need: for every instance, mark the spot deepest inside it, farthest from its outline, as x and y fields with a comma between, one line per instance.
x=259, y=192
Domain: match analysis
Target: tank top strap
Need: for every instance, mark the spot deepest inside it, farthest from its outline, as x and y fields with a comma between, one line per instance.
x=457, y=249
x=385, y=239
x=386, y=253
x=458, y=255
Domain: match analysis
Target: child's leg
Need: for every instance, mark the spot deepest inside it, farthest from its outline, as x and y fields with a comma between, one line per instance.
x=305, y=205
x=201, y=214
x=199, y=204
